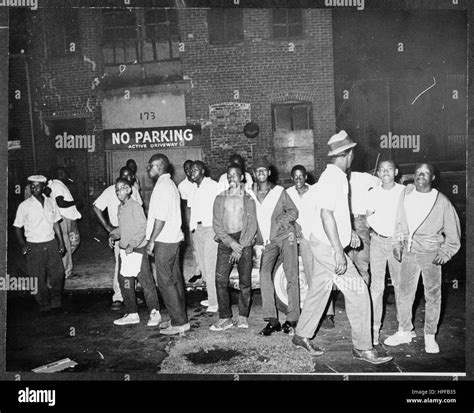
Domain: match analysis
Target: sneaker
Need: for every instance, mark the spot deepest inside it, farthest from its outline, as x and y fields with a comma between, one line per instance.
x=400, y=337
x=204, y=303
x=155, y=318
x=212, y=309
x=242, y=322
x=132, y=318
x=371, y=356
x=222, y=324
x=431, y=346
x=172, y=330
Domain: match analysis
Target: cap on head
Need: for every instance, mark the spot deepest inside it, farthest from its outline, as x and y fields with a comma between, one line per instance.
x=339, y=143
x=261, y=163
x=37, y=178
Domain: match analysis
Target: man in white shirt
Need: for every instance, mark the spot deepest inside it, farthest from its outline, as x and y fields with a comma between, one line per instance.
x=202, y=204
x=108, y=200
x=304, y=197
x=164, y=235
x=382, y=203
x=359, y=185
x=235, y=159
x=330, y=234
x=186, y=190
x=69, y=213
x=39, y=216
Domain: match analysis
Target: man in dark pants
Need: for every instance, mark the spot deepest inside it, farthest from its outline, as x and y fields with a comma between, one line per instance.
x=276, y=215
x=235, y=224
x=164, y=237
x=39, y=216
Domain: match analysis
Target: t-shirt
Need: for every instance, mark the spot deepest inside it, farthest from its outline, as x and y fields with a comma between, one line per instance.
x=333, y=192
x=202, y=203
x=108, y=199
x=383, y=203
x=223, y=183
x=37, y=220
x=417, y=207
x=165, y=206
x=360, y=183
x=59, y=189
x=186, y=189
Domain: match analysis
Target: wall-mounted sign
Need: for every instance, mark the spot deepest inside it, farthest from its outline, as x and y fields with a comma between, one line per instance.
x=153, y=138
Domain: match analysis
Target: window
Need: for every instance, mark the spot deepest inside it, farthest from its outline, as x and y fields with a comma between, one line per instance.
x=62, y=32
x=287, y=24
x=141, y=35
x=225, y=26
x=292, y=116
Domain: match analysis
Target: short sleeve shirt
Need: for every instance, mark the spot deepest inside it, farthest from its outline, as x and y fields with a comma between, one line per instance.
x=37, y=220
x=333, y=192
x=59, y=189
x=165, y=206
x=360, y=184
x=108, y=199
x=186, y=189
x=202, y=203
x=383, y=203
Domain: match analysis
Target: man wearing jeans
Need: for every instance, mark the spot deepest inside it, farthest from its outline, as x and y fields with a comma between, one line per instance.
x=276, y=216
x=427, y=235
x=235, y=225
x=164, y=235
x=330, y=234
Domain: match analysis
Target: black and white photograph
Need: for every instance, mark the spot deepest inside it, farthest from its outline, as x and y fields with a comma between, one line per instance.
x=237, y=188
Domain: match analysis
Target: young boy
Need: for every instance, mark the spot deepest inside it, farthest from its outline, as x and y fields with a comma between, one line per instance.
x=382, y=203
x=131, y=233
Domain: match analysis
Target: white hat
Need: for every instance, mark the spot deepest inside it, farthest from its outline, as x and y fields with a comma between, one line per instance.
x=339, y=143
x=37, y=178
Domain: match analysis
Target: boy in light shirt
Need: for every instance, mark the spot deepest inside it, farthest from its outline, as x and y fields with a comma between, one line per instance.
x=382, y=203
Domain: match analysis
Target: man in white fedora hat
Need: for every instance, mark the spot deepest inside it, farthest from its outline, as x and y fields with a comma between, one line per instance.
x=330, y=233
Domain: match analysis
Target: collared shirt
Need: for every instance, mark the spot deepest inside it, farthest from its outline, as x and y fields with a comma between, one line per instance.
x=383, y=203
x=37, y=220
x=59, y=189
x=333, y=192
x=132, y=225
x=108, y=199
x=223, y=184
x=306, y=205
x=202, y=203
x=360, y=183
x=186, y=189
x=165, y=206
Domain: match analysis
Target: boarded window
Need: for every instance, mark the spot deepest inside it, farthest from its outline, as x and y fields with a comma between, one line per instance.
x=287, y=24
x=292, y=116
x=225, y=26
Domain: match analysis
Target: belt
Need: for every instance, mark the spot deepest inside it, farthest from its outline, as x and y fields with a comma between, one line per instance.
x=199, y=223
x=379, y=235
x=359, y=215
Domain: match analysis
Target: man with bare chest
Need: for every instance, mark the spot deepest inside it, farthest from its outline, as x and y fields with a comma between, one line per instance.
x=235, y=225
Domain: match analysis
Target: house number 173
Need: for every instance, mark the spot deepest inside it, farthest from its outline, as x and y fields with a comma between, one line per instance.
x=147, y=115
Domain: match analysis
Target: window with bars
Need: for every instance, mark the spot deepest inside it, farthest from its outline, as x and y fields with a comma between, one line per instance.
x=62, y=32
x=287, y=24
x=292, y=116
x=140, y=35
x=225, y=26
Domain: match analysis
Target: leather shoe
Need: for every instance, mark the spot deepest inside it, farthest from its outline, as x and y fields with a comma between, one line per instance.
x=306, y=344
x=270, y=329
x=195, y=278
x=288, y=327
x=371, y=356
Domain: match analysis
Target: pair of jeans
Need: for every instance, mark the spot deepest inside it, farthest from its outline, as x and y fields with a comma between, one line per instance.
x=361, y=255
x=44, y=263
x=412, y=265
x=206, y=252
x=309, y=265
x=351, y=284
x=381, y=254
x=288, y=249
x=170, y=281
x=145, y=278
x=223, y=269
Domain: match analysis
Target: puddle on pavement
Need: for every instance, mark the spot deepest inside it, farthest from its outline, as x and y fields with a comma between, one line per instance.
x=212, y=356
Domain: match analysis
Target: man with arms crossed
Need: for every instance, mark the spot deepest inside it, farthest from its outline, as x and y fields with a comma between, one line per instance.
x=427, y=235
x=330, y=234
x=235, y=224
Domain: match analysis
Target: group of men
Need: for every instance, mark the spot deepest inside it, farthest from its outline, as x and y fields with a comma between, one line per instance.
x=413, y=229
